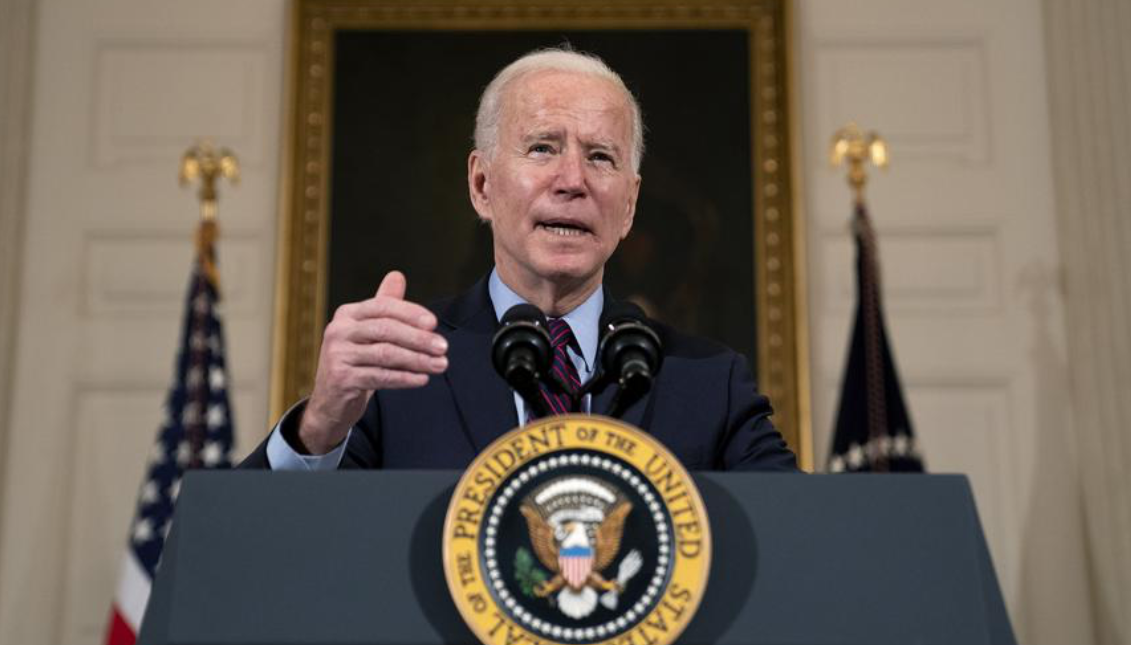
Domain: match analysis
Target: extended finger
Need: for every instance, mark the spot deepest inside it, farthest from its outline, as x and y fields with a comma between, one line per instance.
x=385, y=307
x=393, y=285
x=391, y=330
x=390, y=356
x=380, y=378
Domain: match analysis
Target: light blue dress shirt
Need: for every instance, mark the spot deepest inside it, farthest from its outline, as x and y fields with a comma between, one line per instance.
x=583, y=320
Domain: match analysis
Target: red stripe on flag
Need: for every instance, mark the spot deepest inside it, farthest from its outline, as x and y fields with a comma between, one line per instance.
x=118, y=632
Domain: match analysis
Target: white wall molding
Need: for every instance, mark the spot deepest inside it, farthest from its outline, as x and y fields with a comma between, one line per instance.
x=120, y=90
x=966, y=226
x=943, y=109
x=148, y=102
x=1089, y=65
x=115, y=289
x=944, y=270
x=17, y=24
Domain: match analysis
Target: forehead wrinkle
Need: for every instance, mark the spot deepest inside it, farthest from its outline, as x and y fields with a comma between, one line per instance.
x=544, y=108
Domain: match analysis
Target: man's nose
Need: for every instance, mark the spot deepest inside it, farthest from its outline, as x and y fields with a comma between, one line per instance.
x=570, y=182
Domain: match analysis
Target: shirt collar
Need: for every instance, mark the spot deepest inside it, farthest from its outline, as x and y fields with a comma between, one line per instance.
x=583, y=320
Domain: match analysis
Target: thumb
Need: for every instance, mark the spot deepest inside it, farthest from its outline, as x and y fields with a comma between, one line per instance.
x=393, y=285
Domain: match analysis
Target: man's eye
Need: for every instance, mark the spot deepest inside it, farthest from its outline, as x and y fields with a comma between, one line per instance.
x=542, y=149
x=603, y=158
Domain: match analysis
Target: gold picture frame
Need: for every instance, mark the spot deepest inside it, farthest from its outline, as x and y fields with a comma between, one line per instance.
x=301, y=283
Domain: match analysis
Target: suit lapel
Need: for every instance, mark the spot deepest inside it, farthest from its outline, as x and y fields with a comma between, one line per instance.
x=484, y=401
x=634, y=415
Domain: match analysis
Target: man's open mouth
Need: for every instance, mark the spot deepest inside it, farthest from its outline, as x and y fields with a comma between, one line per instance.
x=565, y=229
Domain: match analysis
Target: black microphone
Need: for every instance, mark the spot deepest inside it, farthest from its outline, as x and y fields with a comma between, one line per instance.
x=630, y=353
x=522, y=353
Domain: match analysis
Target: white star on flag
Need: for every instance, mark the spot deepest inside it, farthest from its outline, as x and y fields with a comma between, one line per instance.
x=198, y=342
x=197, y=394
x=143, y=530
x=184, y=453
x=216, y=416
x=194, y=378
x=192, y=413
x=836, y=464
x=149, y=492
x=212, y=454
x=901, y=445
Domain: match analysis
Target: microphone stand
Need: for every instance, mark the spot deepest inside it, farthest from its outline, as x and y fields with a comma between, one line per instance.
x=622, y=398
x=534, y=403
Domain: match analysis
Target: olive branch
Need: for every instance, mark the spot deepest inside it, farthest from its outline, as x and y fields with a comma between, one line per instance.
x=526, y=573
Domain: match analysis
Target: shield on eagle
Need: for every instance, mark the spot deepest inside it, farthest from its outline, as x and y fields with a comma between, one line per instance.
x=576, y=562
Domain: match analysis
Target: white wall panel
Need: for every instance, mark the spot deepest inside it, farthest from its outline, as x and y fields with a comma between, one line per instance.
x=113, y=434
x=929, y=92
x=941, y=272
x=122, y=88
x=967, y=247
x=153, y=95
x=140, y=273
x=967, y=240
x=966, y=427
x=1090, y=92
x=16, y=65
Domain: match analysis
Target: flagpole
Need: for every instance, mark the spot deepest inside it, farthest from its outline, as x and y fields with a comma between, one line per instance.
x=873, y=429
x=196, y=430
x=205, y=162
x=855, y=148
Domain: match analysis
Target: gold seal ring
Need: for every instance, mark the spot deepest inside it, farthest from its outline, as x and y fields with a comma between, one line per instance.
x=576, y=529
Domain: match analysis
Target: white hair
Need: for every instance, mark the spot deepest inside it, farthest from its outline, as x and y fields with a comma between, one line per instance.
x=543, y=60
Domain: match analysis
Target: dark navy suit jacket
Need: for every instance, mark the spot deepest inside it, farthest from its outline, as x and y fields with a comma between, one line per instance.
x=703, y=405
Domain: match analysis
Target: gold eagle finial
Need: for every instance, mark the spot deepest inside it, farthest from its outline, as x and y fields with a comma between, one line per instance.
x=852, y=145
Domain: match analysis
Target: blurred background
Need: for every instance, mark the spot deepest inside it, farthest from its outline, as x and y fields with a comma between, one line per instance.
x=1004, y=226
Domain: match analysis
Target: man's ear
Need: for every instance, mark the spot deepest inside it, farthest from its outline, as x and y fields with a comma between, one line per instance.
x=477, y=184
x=630, y=208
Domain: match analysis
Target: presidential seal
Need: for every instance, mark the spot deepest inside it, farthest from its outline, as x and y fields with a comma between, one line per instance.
x=576, y=529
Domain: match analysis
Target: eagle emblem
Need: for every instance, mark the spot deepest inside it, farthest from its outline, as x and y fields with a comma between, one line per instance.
x=575, y=526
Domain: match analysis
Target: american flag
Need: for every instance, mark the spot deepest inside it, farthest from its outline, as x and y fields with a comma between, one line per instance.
x=195, y=433
x=873, y=428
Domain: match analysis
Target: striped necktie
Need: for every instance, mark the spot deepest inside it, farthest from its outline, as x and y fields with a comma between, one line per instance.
x=559, y=395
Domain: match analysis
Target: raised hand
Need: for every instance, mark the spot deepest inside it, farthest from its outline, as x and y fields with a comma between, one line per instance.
x=382, y=343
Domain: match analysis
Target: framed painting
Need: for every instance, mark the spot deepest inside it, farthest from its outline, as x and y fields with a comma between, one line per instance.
x=383, y=101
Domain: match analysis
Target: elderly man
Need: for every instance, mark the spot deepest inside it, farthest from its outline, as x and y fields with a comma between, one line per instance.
x=558, y=143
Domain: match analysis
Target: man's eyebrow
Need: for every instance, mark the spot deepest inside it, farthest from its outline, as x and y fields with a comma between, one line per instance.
x=607, y=145
x=610, y=146
x=542, y=135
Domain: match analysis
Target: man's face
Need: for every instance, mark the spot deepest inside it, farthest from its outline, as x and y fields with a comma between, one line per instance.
x=559, y=188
